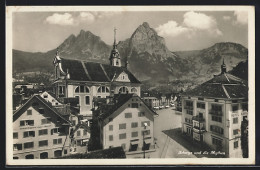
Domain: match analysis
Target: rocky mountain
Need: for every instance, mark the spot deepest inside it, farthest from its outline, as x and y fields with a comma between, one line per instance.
x=148, y=56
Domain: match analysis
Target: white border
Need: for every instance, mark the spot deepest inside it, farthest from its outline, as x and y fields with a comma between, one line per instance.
x=165, y=161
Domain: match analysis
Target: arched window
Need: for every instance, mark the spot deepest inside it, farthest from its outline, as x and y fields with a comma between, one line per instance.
x=30, y=156
x=133, y=90
x=103, y=89
x=82, y=89
x=44, y=155
x=123, y=90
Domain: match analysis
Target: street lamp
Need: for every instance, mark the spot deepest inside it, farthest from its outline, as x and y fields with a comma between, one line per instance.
x=145, y=125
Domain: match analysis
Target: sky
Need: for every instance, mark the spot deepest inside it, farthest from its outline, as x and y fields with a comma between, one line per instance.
x=182, y=30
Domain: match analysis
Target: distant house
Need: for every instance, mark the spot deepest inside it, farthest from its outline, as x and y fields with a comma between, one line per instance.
x=110, y=153
x=122, y=123
x=50, y=97
x=213, y=112
x=79, y=136
x=39, y=131
x=86, y=80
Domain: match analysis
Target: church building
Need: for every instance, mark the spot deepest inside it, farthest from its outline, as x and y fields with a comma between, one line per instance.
x=88, y=80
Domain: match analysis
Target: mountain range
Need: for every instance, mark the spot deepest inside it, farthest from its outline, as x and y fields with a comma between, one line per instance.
x=147, y=54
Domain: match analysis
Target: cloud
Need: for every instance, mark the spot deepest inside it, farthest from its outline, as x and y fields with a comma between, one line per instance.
x=241, y=17
x=200, y=21
x=83, y=17
x=193, y=23
x=226, y=18
x=171, y=28
x=60, y=19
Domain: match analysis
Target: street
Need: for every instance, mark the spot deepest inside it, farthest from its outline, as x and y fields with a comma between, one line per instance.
x=166, y=147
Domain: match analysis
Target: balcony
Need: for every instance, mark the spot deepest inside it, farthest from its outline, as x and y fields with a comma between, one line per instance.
x=216, y=112
x=198, y=129
x=198, y=118
x=188, y=107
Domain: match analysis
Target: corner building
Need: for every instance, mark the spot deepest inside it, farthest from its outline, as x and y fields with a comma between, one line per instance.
x=212, y=113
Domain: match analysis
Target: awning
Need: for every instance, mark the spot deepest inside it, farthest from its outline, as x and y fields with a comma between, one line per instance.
x=85, y=140
x=148, y=140
x=134, y=142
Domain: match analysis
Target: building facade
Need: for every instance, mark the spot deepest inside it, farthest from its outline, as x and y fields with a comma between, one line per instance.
x=212, y=113
x=39, y=131
x=123, y=124
x=87, y=80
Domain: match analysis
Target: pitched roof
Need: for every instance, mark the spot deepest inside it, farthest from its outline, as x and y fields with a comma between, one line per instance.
x=116, y=153
x=19, y=111
x=90, y=71
x=109, y=109
x=224, y=85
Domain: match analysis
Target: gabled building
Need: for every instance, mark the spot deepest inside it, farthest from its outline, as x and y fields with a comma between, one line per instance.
x=212, y=112
x=39, y=131
x=86, y=80
x=122, y=122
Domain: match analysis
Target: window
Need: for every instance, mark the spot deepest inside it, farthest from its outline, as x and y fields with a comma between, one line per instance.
x=46, y=121
x=188, y=120
x=29, y=112
x=199, y=98
x=217, y=118
x=128, y=115
x=110, y=137
x=235, y=132
x=27, y=123
x=43, y=143
x=15, y=157
x=216, y=141
x=103, y=89
x=28, y=134
x=110, y=127
x=43, y=132
x=82, y=89
x=235, y=144
x=28, y=145
x=235, y=108
x=15, y=135
x=216, y=107
x=57, y=141
x=45, y=96
x=189, y=104
x=148, y=123
x=122, y=136
x=123, y=90
x=133, y=90
x=78, y=133
x=134, y=124
x=134, y=105
x=18, y=147
x=84, y=132
x=201, y=105
x=65, y=151
x=134, y=134
x=189, y=112
x=54, y=131
x=87, y=102
x=235, y=120
x=141, y=114
x=216, y=100
x=146, y=132
x=216, y=129
x=245, y=107
x=122, y=126
x=61, y=89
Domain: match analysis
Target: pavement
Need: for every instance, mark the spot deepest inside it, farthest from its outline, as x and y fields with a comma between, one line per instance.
x=170, y=142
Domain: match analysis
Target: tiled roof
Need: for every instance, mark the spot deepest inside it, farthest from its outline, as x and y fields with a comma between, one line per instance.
x=19, y=111
x=109, y=109
x=223, y=85
x=90, y=71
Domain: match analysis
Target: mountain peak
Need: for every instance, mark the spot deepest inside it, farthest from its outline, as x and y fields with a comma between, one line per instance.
x=146, y=25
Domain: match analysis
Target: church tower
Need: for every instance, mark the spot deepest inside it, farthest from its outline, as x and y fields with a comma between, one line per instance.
x=115, y=56
x=223, y=67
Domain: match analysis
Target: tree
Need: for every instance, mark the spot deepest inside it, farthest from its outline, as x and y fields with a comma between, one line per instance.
x=244, y=138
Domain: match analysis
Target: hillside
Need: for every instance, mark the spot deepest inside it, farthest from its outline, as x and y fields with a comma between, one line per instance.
x=148, y=56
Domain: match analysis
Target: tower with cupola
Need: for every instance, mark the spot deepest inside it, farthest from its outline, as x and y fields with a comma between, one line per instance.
x=115, y=56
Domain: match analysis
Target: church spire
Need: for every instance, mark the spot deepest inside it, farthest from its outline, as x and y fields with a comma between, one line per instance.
x=223, y=67
x=114, y=38
x=115, y=56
